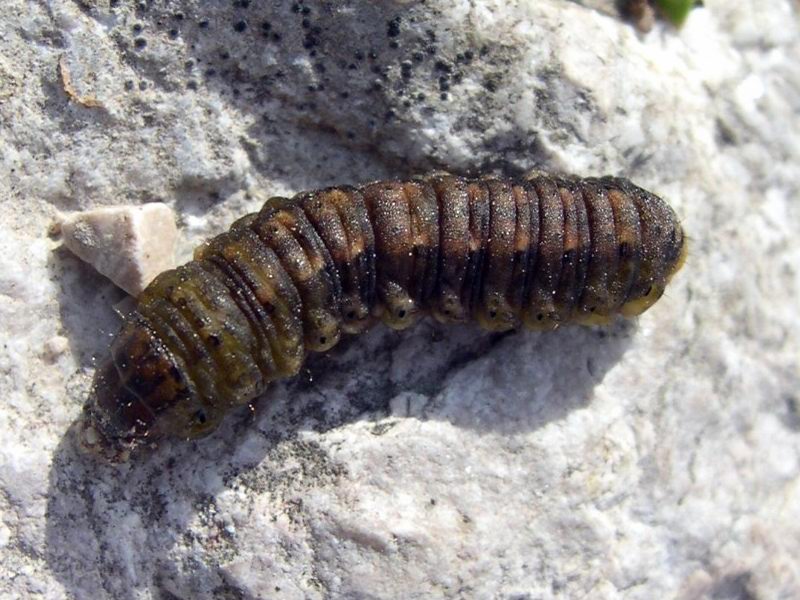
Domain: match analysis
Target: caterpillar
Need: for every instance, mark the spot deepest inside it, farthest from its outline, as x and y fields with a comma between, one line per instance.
x=536, y=252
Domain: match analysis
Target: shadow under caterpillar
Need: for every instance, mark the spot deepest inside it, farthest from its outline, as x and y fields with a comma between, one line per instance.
x=289, y=280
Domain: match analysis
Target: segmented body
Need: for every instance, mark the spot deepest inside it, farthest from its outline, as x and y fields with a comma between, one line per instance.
x=293, y=277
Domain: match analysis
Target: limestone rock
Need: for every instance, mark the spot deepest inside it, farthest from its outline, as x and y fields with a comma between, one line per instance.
x=655, y=459
x=128, y=244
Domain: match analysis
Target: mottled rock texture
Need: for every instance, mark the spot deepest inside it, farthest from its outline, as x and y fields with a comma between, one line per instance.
x=655, y=459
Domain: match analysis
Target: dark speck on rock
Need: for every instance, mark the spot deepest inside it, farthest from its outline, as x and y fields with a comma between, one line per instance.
x=140, y=43
x=443, y=66
x=240, y=26
x=393, y=27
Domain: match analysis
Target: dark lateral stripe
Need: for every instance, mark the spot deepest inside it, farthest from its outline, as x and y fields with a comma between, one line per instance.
x=275, y=291
x=280, y=232
x=532, y=263
x=478, y=246
x=499, y=271
x=628, y=230
x=242, y=294
x=603, y=263
x=453, y=201
x=226, y=330
x=330, y=288
x=352, y=209
x=389, y=214
x=551, y=246
x=344, y=240
x=424, y=212
x=521, y=248
x=565, y=296
x=584, y=240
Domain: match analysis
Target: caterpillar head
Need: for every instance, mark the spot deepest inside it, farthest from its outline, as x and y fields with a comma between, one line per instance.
x=137, y=395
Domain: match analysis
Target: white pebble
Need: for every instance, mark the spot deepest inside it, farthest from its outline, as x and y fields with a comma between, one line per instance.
x=128, y=244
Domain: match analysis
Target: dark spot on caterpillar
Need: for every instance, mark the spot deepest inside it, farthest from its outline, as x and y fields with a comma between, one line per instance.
x=175, y=374
x=296, y=276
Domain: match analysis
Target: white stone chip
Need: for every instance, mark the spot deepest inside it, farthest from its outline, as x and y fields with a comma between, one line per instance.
x=128, y=244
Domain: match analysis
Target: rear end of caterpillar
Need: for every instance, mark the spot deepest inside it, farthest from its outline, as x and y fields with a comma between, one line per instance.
x=291, y=279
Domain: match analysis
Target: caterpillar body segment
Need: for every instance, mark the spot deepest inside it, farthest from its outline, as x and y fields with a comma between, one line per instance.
x=293, y=278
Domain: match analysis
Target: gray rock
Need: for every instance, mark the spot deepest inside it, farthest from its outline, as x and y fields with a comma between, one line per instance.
x=654, y=459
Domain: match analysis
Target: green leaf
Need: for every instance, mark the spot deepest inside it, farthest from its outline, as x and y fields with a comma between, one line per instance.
x=675, y=10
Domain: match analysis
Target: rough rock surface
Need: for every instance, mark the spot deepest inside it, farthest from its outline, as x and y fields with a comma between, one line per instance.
x=652, y=460
x=128, y=244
